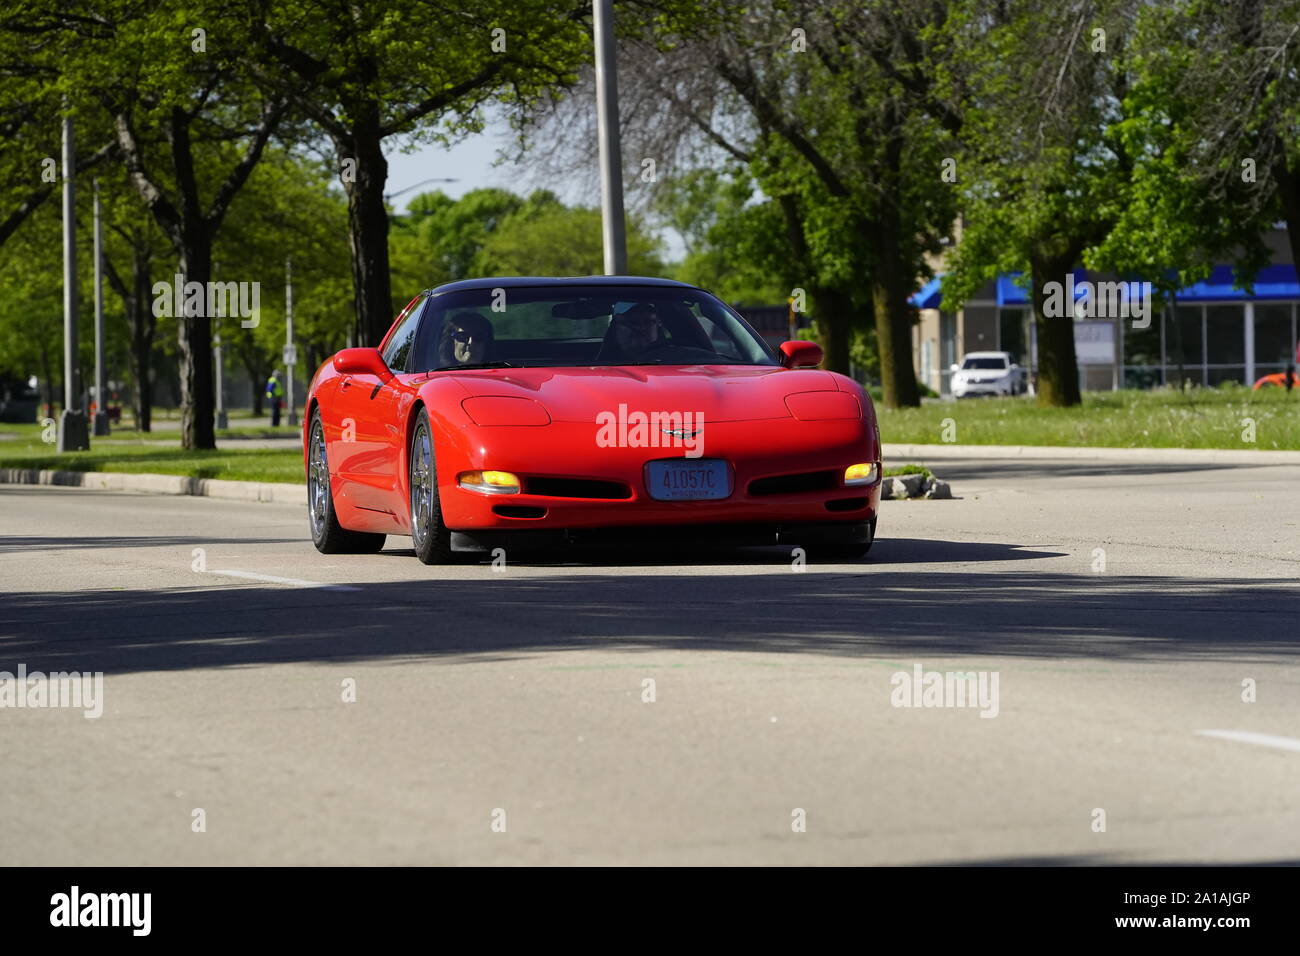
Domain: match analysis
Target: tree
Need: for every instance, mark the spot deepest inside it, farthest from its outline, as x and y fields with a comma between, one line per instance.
x=558, y=241
x=187, y=124
x=831, y=108
x=1041, y=170
x=365, y=74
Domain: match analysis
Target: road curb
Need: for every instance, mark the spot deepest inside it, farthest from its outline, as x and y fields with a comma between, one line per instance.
x=263, y=491
x=894, y=453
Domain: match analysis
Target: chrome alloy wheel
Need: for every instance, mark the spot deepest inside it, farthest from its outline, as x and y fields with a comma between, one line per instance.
x=318, y=482
x=421, y=485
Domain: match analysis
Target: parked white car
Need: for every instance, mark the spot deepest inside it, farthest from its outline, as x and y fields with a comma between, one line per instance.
x=987, y=373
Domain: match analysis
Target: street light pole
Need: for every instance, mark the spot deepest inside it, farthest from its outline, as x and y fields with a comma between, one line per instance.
x=101, y=400
x=611, y=154
x=72, y=420
x=223, y=421
x=290, y=357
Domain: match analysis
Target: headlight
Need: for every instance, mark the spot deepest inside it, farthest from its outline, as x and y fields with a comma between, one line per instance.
x=489, y=482
x=863, y=474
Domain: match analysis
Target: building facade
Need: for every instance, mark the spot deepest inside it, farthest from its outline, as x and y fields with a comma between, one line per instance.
x=1213, y=333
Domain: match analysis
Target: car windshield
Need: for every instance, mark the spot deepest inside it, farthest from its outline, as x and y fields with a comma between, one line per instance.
x=572, y=325
x=985, y=363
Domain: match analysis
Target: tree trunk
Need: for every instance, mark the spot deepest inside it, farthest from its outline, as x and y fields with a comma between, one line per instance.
x=368, y=226
x=1288, y=192
x=141, y=326
x=834, y=320
x=892, y=276
x=47, y=378
x=194, y=341
x=257, y=375
x=891, y=281
x=1058, y=366
x=894, y=338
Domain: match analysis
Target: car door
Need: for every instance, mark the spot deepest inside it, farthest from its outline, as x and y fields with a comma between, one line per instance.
x=370, y=440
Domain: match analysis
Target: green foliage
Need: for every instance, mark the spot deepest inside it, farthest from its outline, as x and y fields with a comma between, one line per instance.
x=735, y=241
x=492, y=232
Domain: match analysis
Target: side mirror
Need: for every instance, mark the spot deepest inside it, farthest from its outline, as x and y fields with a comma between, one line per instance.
x=362, y=362
x=800, y=354
x=954, y=367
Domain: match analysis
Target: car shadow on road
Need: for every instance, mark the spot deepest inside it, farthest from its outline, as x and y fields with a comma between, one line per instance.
x=668, y=554
x=13, y=543
x=875, y=609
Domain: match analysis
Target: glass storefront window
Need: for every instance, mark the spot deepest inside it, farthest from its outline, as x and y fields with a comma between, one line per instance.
x=1142, y=346
x=1225, y=335
x=1188, y=327
x=1011, y=333
x=1274, y=342
x=1232, y=373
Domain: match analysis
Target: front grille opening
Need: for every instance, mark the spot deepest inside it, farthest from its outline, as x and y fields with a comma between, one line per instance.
x=519, y=511
x=792, y=484
x=846, y=504
x=576, y=488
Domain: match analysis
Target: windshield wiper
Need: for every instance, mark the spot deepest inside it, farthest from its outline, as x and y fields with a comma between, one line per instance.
x=453, y=368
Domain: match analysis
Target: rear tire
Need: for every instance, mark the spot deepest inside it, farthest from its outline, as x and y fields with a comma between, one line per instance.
x=429, y=535
x=327, y=534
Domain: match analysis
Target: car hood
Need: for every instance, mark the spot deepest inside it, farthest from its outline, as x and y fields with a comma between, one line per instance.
x=721, y=393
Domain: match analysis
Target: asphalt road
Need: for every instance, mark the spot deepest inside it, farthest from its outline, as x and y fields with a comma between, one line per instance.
x=516, y=699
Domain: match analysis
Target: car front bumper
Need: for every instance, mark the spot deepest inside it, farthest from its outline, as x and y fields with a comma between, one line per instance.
x=754, y=451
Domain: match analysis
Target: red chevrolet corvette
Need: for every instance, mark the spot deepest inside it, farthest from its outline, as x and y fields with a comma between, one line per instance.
x=522, y=412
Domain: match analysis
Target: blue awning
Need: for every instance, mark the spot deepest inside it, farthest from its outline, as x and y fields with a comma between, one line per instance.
x=1277, y=281
x=929, y=296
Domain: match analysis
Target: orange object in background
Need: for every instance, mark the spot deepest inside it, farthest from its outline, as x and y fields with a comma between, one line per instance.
x=1276, y=379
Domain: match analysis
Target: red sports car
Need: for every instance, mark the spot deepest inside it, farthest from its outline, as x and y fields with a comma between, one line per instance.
x=521, y=412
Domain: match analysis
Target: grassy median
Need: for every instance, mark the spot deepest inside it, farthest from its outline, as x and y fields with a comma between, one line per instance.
x=1227, y=417
x=126, y=452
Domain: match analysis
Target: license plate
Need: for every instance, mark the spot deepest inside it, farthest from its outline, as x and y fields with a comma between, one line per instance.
x=691, y=479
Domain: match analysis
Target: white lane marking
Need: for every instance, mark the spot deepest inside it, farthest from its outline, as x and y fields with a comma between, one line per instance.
x=1247, y=737
x=291, y=582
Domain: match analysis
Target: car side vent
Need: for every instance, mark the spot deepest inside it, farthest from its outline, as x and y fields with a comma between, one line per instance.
x=576, y=488
x=792, y=484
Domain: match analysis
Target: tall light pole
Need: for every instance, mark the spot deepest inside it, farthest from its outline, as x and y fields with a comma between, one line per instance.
x=101, y=393
x=290, y=354
x=611, y=154
x=72, y=420
x=223, y=421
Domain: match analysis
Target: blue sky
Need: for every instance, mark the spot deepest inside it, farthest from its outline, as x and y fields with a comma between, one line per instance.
x=470, y=163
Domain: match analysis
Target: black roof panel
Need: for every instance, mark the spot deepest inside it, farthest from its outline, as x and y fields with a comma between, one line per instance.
x=515, y=282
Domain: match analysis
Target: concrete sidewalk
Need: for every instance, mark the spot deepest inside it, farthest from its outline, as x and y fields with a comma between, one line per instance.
x=280, y=493
x=923, y=454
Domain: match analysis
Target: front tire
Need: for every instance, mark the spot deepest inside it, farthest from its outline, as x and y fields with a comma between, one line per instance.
x=842, y=550
x=327, y=534
x=429, y=535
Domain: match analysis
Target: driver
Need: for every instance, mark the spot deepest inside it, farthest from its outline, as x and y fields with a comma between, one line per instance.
x=636, y=330
x=466, y=340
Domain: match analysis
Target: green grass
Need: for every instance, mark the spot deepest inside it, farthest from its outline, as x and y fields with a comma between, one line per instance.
x=898, y=470
x=1199, y=418
x=1162, y=418
x=232, y=463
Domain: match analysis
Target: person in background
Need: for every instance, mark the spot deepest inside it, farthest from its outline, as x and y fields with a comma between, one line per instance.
x=275, y=396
